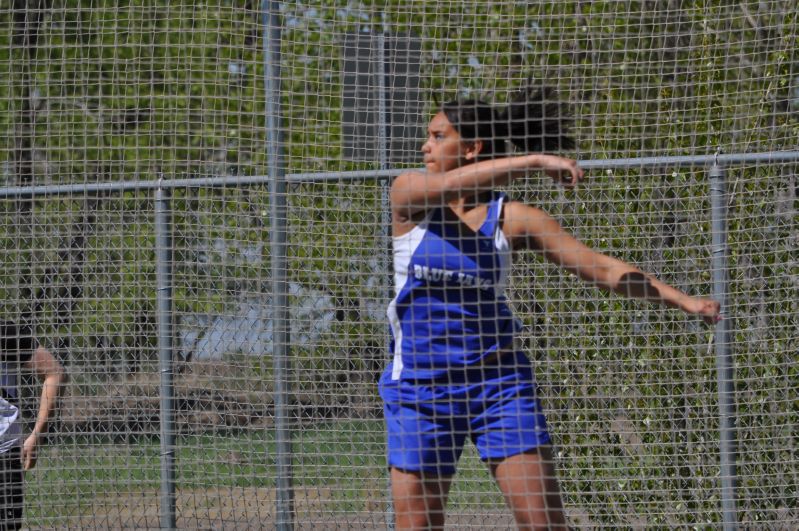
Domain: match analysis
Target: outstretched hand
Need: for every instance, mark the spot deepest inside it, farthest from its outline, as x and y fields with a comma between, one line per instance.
x=562, y=170
x=708, y=309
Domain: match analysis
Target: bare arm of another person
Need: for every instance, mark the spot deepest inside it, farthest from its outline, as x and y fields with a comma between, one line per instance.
x=51, y=374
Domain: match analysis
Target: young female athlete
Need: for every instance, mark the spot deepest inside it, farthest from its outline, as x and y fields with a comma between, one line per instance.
x=456, y=372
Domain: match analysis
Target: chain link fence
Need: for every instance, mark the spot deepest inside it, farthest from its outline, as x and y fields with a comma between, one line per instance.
x=137, y=216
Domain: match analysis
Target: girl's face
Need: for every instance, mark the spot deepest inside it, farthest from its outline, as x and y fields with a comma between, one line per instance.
x=444, y=149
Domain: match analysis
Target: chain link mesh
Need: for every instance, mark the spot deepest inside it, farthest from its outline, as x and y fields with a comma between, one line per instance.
x=103, y=92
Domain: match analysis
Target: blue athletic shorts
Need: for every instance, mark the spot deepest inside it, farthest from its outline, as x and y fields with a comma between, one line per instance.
x=497, y=407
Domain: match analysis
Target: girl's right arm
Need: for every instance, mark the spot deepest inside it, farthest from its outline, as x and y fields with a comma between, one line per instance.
x=414, y=192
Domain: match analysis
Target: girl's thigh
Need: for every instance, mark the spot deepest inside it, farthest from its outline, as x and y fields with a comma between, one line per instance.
x=530, y=486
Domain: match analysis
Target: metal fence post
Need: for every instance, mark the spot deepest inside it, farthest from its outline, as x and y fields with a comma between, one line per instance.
x=278, y=237
x=388, y=264
x=722, y=341
x=163, y=294
x=385, y=205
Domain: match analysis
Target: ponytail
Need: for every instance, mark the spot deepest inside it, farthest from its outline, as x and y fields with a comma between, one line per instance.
x=537, y=122
x=533, y=122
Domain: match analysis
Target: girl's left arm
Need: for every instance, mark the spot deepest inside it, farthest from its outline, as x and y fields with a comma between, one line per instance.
x=533, y=228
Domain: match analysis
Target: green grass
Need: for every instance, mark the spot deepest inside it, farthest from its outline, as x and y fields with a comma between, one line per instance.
x=346, y=460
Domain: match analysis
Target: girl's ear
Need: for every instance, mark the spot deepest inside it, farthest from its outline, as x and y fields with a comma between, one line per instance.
x=473, y=149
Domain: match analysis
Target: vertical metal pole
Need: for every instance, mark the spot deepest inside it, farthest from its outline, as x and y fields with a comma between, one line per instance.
x=724, y=361
x=163, y=295
x=385, y=204
x=388, y=264
x=278, y=229
x=382, y=109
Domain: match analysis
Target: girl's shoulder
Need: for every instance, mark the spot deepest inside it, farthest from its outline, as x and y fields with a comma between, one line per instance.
x=406, y=177
x=514, y=208
x=520, y=220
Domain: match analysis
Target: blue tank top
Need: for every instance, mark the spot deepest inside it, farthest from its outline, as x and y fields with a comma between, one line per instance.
x=450, y=310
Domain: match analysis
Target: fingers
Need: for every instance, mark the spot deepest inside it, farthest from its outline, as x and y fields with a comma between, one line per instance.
x=30, y=461
x=710, y=311
x=27, y=460
x=565, y=172
x=567, y=178
x=29, y=454
x=574, y=175
x=577, y=174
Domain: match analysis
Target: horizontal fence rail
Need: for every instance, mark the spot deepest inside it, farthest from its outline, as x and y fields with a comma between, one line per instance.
x=296, y=178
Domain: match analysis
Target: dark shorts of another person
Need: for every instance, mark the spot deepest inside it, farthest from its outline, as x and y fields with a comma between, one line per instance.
x=11, y=490
x=496, y=406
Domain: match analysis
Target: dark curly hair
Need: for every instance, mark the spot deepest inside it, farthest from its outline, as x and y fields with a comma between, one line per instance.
x=533, y=121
